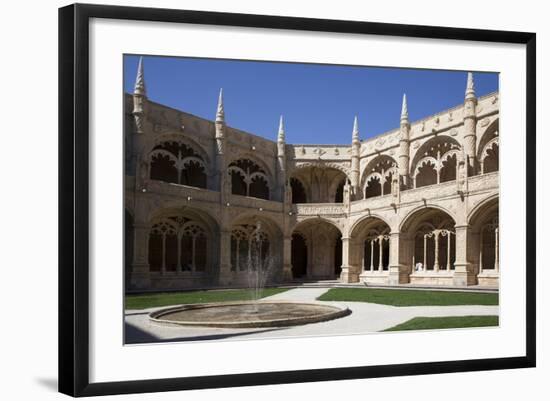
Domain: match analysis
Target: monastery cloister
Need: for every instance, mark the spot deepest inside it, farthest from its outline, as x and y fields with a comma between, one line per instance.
x=418, y=204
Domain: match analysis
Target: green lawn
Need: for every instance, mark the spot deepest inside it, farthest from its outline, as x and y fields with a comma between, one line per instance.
x=143, y=301
x=409, y=297
x=450, y=322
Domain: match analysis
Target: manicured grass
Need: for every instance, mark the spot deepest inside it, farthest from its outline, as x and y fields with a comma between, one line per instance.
x=143, y=301
x=450, y=322
x=409, y=297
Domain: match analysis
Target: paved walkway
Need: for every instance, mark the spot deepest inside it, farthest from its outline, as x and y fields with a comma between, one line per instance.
x=365, y=318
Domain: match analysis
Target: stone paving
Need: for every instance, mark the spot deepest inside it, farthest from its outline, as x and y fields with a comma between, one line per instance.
x=365, y=317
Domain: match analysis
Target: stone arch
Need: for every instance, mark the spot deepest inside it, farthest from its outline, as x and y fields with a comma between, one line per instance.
x=321, y=164
x=180, y=138
x=299, y=193
x=249, y=178
x=176, y=161
x=321, y=181
x=370, y=246
x=183, y=240
x=256, y=240
x=323, y=247
x=255, y=158
x=428, y=244
x=382, y=165
x=354, y=227
x=429, y=159
x=407, y=220
x=483, y=240
x=488, y=149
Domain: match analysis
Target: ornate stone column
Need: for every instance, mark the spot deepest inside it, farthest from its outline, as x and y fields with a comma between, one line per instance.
x=140, y=277
x=287, y=259
x=464, y=274
x=436, y=250
x=371, y=254
x=470, y=121
x=404, y=143
x=349, y=273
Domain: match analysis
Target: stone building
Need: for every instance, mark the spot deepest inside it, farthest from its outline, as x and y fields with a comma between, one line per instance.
x=418, y=204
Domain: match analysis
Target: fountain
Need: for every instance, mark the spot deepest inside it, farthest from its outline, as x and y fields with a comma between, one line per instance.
x=259, y=271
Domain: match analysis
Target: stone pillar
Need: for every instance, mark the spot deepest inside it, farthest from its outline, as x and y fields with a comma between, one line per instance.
x=349, y=273
x=225, y=275
x=464, y=274
x=448, y=268
x=355, y=154
x=140, y=277
x=371, y=254
x=436, y=250
x=404, y=143
x=398, y=273
x=287, y=259
x=470, y=121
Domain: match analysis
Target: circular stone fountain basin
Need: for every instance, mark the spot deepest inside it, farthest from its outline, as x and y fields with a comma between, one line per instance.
x=249, y=314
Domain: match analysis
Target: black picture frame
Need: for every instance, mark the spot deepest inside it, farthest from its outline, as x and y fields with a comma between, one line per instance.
x=74, y=198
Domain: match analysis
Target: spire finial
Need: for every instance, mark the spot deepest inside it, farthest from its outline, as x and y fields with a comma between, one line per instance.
x=220, y=113
x=139, y=88
x=281, y=136
x=355, y=132
x=404, y=109
x=470, y=89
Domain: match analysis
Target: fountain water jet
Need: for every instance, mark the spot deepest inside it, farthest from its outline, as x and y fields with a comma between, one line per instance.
x=260, y=268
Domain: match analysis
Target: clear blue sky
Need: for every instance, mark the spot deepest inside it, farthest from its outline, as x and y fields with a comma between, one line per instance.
x=318, y=102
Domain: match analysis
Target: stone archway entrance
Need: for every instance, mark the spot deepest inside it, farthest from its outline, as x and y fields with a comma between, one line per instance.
x=316, y=250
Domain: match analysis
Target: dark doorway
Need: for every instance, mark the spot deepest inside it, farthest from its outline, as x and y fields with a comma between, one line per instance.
x=298, y=256
x=338, y=256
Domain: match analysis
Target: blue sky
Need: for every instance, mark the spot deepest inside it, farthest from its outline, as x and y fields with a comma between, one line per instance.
x=318, y=102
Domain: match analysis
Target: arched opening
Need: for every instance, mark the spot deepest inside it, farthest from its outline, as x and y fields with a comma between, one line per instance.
x=322, y=254
x=339, y=196
x=179, y=243
x=250, y=248
x=377, y=176
x=370, y=247
x=248, y=179
x=298, y=191
x=177, y=163
x=433, y=242
x=426, y=174
x=374, y=187
x=484, y=240
x=299, y=256
x=448, y=168
x=386, y=188
x=321, y=184
x=128, y=246
x=435, y=161
x=163, y=168
x=490, y=158
x=488, y=149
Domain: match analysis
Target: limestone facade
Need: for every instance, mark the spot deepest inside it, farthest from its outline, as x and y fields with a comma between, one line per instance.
x=418, y=204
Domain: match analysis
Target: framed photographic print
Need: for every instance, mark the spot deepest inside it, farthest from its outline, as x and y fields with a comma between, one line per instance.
x=279, y=199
